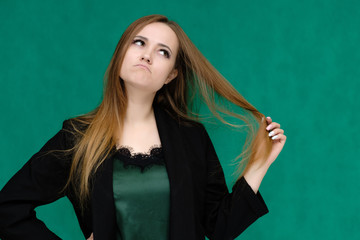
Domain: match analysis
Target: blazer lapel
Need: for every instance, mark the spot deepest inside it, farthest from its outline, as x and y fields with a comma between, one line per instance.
x=182, y=219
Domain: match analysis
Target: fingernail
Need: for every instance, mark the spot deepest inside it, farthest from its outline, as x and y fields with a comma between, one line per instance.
x=271, y=133
x=274, y=137
x=268, y=127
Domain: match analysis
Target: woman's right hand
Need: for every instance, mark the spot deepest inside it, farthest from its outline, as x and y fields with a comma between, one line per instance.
x=91, y=237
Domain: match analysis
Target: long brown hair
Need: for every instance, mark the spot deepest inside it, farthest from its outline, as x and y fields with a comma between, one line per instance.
x=196, y=77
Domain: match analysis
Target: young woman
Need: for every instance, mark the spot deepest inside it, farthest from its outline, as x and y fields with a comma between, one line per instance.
x=141, y=166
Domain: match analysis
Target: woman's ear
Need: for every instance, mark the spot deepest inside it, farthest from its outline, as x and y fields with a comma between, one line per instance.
x=172, y=75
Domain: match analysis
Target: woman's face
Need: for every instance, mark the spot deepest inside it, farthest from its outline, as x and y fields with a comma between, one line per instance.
x=149, y=61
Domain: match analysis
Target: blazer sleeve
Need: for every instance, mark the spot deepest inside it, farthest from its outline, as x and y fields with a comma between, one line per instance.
x=38, y=182
x=228, y=214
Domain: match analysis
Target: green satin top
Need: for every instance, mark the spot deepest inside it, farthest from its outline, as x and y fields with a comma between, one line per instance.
x=141, y=194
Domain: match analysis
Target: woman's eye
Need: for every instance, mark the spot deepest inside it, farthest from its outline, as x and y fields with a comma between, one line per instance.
x=138, y=42
x=165, y=53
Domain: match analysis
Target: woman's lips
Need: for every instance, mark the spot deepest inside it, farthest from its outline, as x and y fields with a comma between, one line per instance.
x=143, y=66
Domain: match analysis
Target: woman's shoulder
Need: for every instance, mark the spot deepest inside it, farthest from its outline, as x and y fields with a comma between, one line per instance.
x=190, y=128
x=73, y=129
x=76, y=124
x=181, y=121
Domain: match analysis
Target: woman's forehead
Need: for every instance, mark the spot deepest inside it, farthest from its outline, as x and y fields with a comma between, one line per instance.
x=159, y=33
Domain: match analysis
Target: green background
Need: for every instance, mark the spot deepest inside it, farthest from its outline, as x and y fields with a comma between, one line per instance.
x=296, y=61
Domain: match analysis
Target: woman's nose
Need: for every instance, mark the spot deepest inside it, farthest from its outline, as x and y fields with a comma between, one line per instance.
x=146, y=57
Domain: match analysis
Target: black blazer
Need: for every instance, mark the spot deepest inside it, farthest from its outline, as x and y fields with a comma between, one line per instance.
x=200, y=203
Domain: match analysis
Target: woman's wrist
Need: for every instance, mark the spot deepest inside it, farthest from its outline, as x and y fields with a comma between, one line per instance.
x=255, y=174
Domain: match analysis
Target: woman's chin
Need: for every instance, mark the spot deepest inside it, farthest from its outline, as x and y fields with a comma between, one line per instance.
x=141, y=86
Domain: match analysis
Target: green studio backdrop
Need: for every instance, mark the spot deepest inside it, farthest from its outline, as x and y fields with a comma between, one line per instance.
x=296, y=61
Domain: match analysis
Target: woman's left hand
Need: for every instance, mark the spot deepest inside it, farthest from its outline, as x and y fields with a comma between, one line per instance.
x=254, y=174
x=91, y=237
x=278, y=138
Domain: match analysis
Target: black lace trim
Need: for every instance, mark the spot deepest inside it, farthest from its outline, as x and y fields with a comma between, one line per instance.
x=143, y=160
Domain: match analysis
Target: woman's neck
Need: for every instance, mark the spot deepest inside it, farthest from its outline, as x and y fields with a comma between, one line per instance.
x=139, y=108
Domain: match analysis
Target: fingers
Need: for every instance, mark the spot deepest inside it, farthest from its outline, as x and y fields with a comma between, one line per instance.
x=271, y=124
x=269, y=120
x=279, y=137
x=275, y=132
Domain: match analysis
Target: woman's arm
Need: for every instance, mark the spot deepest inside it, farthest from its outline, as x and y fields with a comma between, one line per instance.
x=229, y=214
x=38, y=182
x=255, y=174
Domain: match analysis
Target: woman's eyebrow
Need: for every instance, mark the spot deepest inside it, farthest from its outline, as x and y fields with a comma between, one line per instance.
x=160, y=44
